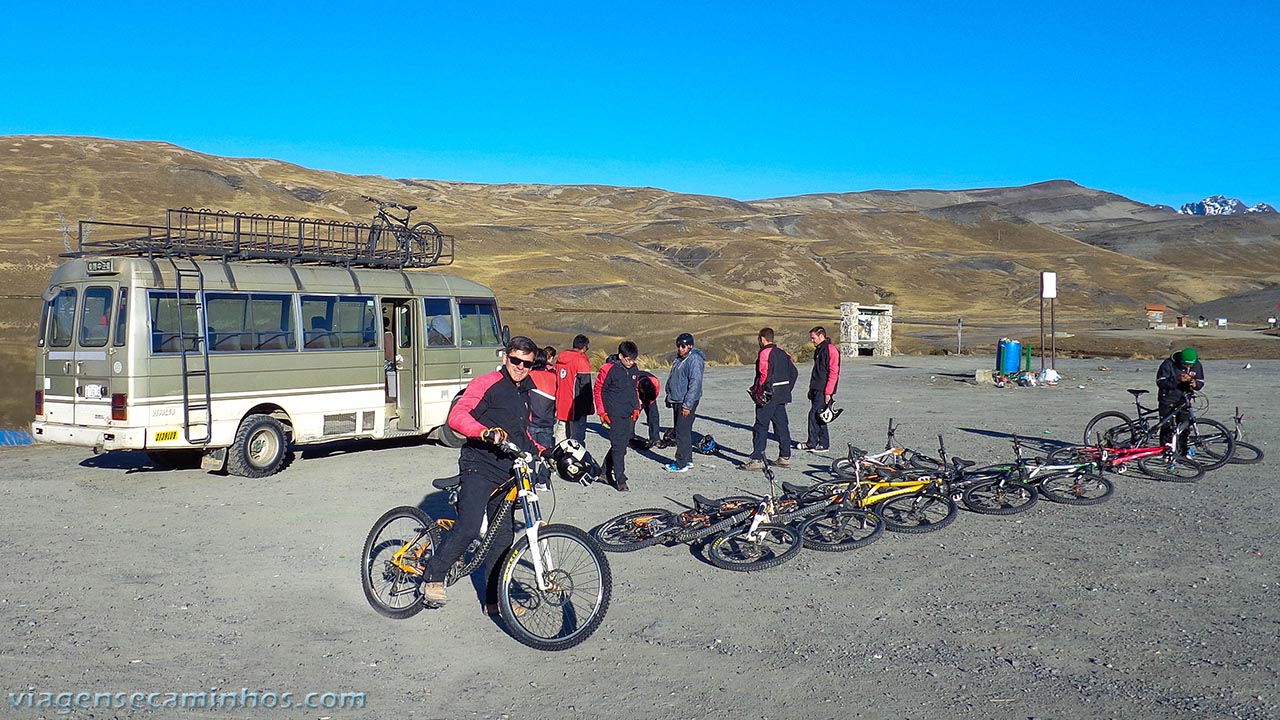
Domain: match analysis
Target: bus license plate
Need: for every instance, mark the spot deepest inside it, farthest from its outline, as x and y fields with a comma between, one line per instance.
x=93, y=392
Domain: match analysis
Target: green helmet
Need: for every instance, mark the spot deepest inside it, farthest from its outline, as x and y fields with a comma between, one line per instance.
x=1187, y=356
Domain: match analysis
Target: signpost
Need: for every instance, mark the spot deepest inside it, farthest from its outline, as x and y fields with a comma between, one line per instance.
x=959, y=333
x=1048, y=291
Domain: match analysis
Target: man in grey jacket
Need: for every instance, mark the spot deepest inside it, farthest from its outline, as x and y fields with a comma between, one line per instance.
x=684, y=390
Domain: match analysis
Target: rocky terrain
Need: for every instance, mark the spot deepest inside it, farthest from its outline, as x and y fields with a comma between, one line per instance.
x=1161, y=603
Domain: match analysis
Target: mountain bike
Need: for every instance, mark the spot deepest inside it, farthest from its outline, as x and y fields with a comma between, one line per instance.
x=1162, y=462
x=639, y=529
x=417, y=245
x=912, y=501
x=554, y=581
x=1209, y=442
x=1245, y=453
x=756, y=542
x=893, y=457
x=1079, y=482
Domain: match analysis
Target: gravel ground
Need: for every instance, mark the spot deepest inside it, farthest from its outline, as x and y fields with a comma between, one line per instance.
x=1159, y=603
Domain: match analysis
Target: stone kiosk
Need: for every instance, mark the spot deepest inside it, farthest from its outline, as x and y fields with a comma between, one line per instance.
x=866, y=330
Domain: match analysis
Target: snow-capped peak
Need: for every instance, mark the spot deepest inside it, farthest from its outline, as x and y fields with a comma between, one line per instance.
x=1223, y=205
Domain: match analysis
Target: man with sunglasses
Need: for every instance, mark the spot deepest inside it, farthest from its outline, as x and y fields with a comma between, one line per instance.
x=494, y=408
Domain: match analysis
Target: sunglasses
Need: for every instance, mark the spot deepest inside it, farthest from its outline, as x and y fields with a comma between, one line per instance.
x=518, y=362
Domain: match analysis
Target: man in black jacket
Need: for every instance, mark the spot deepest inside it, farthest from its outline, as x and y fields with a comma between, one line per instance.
x=1179, y=375
x=822, y=388
x=775, y=377
x=618, y=404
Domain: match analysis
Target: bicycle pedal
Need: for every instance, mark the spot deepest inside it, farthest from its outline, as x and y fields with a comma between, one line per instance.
x=431, y=604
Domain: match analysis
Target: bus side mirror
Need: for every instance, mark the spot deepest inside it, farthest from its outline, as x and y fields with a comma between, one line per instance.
x=506, y=335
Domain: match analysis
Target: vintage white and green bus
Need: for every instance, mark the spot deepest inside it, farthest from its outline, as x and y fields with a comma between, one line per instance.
x=161, y=346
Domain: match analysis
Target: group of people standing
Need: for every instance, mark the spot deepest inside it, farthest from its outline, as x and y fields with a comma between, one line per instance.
x=622, y=391
x=539, y=399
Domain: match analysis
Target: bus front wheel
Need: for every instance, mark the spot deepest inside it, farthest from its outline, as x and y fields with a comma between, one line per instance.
x=259, y=448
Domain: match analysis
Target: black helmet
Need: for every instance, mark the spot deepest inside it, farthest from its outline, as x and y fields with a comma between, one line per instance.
x=829, y=413
x=684, y=339
x=574, y=463
x=707, y=445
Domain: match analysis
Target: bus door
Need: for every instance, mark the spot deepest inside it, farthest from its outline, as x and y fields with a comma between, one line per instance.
x=401, y=361
x=442, y=378
x=77, y=353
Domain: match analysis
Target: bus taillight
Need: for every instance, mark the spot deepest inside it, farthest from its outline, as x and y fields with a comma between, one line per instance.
x=118, y=409
x=39, y=402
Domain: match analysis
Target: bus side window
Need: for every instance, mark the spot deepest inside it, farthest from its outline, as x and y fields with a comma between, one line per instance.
x=122, y=316
x=439, y=322
x=479, y=323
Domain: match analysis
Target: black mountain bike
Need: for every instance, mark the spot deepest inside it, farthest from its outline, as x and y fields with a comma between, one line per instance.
x=420, y=244
x=1209, y=442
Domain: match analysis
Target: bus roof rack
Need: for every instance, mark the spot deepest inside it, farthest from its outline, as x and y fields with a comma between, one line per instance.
x=240, y=236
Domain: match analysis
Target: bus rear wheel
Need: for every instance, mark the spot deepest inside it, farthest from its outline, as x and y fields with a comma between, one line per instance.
x=259, y=448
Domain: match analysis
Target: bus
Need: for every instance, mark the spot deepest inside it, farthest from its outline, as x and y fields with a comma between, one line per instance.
x=198, y=341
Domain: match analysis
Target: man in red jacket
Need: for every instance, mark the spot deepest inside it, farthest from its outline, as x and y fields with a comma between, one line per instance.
x=573, y=391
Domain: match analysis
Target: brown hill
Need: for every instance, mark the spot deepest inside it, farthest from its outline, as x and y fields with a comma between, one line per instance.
x=585, y=249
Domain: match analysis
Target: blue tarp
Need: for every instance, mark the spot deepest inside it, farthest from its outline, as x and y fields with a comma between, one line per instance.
x=16, y=437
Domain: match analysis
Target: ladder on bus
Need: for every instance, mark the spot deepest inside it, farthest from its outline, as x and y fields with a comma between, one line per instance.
x=197, y=417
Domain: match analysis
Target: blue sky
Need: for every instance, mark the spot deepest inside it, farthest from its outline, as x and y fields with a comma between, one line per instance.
x=1161, y=102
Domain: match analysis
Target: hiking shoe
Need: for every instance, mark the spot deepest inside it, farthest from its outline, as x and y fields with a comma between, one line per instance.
x=541, y=487
x=752, y=465
x=622, y=486
x=491, y=609
x=783, y=462
x=810, y=448
x=679, y=468
x=433, y=593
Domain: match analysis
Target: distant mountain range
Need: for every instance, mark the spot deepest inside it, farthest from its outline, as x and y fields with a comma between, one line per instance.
x=1223, y=205
x=600, y=257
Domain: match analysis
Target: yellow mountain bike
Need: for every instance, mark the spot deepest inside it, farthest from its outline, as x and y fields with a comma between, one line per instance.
x=554, y=581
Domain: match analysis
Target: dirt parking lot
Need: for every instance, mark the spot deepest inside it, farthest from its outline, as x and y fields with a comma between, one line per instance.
x=1162, y=603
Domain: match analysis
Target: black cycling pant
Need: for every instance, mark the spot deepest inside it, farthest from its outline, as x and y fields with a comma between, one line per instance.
x=620, y=432
x=819, y=434
x=475, y=500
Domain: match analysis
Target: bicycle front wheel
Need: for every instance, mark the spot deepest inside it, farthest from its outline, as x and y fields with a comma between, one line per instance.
x=635, y=530
x=841, y=530
x=1246, y=454
x=389, y=587
x=1000, y=497
x=578, y=587
x=920, y=513
x=1076, y=488
x=1213, y=443
x=1171, y=468
x=772, y=545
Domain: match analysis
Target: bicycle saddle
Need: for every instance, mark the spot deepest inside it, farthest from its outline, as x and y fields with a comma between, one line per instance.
x=793, y=489
x=702, y=502
x=961, y=464
x=410, y=208
x=856, y=453
x=447, y=483
x=1138, y=393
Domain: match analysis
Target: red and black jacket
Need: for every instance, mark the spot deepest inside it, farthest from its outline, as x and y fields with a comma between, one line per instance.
x=826, y=368
x=775, y=375
x=616, y=391
x=492, y=400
